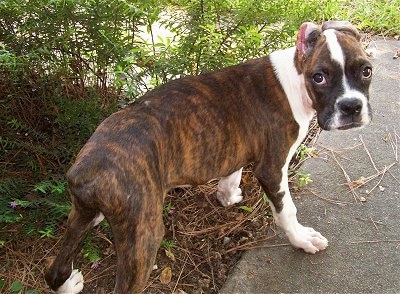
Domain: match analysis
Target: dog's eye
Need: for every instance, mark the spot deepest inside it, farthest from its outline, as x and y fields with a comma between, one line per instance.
x=367, y=72
x=319, y=79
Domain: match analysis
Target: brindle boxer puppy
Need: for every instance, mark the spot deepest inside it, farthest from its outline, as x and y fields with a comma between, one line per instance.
x=194, y=129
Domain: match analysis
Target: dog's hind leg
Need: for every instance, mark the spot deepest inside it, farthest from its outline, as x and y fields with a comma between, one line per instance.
x=137, y=229
x=229, y=192
x=60, y=276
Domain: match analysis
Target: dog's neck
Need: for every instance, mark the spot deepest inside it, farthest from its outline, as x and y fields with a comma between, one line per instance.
x=293, y=84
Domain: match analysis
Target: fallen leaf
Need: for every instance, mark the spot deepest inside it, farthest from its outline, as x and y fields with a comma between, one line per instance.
x=359, y=182
x=166, y=275
x=170, y=255
x=226, y=240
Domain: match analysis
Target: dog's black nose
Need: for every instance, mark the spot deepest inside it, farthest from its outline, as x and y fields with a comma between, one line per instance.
x=350, y=106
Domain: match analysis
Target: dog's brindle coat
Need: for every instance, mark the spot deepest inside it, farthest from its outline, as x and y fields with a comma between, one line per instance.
x=194, y=129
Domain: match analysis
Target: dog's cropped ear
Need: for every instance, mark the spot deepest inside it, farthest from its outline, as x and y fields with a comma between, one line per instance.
x=343, y=26
x=306, y=39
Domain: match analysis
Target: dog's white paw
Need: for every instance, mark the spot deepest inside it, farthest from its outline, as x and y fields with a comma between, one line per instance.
x=229, y=197
x=73, y=285
x=308, y=239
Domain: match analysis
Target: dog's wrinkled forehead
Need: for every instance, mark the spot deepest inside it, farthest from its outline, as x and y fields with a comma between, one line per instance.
x=334, y=47
x=341, y=36
x=338, y=34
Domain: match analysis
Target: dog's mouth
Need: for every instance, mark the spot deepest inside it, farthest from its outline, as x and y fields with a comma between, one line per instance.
x=343, y=123
x=351, y=126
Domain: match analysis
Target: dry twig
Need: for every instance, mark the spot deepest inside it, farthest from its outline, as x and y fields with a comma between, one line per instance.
x=374, y=241
x=352, y=190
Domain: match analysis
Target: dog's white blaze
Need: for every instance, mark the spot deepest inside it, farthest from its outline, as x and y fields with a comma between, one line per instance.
x=334, y=47
x=300, y=104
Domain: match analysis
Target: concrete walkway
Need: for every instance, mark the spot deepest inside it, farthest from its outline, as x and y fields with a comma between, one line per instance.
x=364, y=236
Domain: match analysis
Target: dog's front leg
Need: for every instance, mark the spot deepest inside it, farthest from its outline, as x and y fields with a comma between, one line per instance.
x=275, y=184
x=299, y=236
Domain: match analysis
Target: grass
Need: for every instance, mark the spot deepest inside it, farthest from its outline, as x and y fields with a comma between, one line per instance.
x=377, y=16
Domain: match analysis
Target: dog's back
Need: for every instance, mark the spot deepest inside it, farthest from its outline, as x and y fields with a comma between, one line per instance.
x=155, y=134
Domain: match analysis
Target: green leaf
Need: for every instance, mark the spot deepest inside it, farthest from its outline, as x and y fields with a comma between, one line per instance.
x=58, y=188
x=2, y=284
x=23, y=203
x=42, y=187
x=46, y=233
x=16, y=286
x=246, y=208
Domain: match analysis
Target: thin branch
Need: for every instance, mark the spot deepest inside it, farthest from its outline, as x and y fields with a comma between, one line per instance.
x=356, y=197
x=396, y=179
x=395, y=145
x=247, y=247
x=180, y=273
x=369, y=154
x=374, y=241
x=341, y=203
x=385, y=169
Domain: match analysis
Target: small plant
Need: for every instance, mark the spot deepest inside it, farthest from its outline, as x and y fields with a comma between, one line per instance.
x=17, y=287
x=303, y=152
x=14, y=124
x=303, y=178
x=15, y=207
x=265, y=198
x=47, y=232
x=168, y=245
x=105, y=224
x=168, y=208
x=246, y=208
x=54, y=187
x=91, y=251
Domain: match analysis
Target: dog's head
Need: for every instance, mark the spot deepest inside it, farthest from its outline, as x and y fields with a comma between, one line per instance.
x=337, y=74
